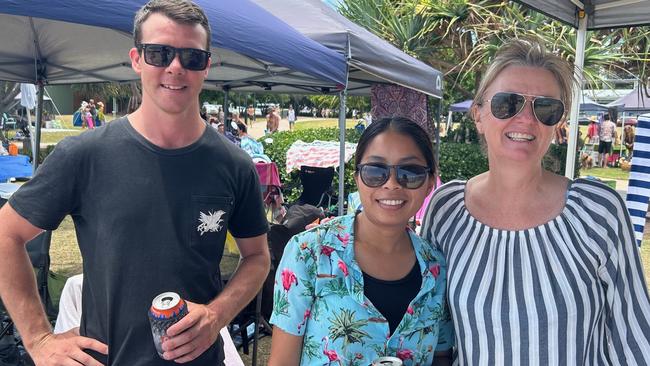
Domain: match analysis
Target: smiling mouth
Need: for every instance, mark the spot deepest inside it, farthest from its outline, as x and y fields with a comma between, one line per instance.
x=391, y=202
x=173, y=87
x=520, y=137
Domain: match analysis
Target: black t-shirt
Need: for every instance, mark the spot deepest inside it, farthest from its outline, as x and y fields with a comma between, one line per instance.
x=148, y=220
x=392, y=298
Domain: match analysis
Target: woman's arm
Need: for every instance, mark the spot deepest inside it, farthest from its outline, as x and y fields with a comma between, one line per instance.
x=285, y=348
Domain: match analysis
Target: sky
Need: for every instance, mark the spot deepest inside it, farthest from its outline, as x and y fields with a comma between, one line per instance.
x=332, y=3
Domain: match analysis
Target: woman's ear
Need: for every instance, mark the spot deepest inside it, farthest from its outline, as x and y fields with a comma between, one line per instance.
x=476, y=116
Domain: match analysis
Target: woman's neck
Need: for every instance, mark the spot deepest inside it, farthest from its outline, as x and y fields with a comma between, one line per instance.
x=379, y=238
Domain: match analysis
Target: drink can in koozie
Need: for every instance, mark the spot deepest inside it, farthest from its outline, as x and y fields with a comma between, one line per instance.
x=166, y=310
x=387, y=361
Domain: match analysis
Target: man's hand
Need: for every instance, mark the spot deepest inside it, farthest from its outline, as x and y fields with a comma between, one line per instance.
x=66, y=349
x=192, y=335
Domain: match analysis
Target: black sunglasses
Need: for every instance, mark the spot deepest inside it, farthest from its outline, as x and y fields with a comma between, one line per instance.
x=548, y=111
x=161, y=55
x=409, y=176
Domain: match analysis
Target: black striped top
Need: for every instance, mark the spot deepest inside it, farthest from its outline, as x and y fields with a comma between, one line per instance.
x=568, y=292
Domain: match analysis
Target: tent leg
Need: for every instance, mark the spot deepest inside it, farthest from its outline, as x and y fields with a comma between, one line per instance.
x=39, y=120
x=581, y=38
x=342, y=100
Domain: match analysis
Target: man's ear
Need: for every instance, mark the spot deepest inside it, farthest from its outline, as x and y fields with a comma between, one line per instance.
x=207, y=69
x=134, y=55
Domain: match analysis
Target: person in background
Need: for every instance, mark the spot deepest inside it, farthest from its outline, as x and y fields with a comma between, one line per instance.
x=88, y=116
x=163, y=230
x=291, y=117
x=592, y=131
x=249, y=144
x=234, y=117
x=272, y=120
x=221, y=117
x=607, y=137
x=541, y=269
x=364, y=286
x=628, y=140
x=250, y=115
x=101, y=118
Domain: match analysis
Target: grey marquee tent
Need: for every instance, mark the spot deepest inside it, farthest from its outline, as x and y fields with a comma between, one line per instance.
x=589, y=15
x=371, y=60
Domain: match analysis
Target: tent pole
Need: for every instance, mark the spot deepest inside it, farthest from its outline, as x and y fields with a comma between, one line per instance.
x=449, y=123
x=226, y=126
x=436, y=119
x=39, y=120
x=342, y=101
x=581, y=38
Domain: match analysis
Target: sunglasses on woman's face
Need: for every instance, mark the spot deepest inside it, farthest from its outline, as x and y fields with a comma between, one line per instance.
x=161, y=55
x=409, y=176
x=548, y=111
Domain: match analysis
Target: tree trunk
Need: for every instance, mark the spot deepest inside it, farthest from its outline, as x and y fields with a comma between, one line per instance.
x=8, y=91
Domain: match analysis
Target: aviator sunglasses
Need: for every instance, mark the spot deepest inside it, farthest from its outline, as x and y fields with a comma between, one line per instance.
x=409, y=176
x=161, y=55
x=548, y=111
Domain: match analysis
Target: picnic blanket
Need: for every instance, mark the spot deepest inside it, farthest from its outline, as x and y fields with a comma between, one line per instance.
x=320, y=154
x=14, y=167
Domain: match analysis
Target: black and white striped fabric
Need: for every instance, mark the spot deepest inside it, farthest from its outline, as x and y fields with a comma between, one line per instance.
x=638, y=189
x=569, y=292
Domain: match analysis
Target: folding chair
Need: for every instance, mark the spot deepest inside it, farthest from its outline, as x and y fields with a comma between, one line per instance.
x=38, y=251
x=317, y=186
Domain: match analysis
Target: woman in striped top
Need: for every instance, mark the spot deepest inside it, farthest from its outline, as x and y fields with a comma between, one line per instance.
x=542, y=270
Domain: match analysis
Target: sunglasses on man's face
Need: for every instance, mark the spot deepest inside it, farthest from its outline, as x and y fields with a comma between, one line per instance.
x=548, y=111
x=409, y=176
x=161, y=55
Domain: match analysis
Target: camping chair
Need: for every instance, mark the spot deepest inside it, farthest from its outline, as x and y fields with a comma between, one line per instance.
x=316, y=186
x=38, y=250
x=8, y=123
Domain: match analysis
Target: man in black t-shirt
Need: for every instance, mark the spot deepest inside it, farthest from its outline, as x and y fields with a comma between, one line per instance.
x=152, y=196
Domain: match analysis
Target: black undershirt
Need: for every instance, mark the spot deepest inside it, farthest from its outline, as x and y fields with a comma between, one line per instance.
x=392, y=298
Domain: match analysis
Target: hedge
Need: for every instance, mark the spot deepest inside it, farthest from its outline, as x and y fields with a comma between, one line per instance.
x=457, y=160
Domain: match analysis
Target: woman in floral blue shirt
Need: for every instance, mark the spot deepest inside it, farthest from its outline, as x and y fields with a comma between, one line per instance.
x=363, y=286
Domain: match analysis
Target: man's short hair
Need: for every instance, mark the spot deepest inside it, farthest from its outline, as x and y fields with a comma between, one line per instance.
x=180, y=11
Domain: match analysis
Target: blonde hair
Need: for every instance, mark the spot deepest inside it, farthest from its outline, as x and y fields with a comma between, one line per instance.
x=531, y=53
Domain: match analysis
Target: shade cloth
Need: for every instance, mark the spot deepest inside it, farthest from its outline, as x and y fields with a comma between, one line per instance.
x=320, y=154
x=398, y=101
x=638, y=189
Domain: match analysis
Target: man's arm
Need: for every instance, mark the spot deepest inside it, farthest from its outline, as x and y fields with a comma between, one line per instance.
x=20, y=297
x=197, y=331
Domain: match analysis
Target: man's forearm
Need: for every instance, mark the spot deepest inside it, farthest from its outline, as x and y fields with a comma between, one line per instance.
x=19, y=293
x=242, y=287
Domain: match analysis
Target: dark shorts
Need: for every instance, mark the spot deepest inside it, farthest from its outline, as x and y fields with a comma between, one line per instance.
x=605, y=147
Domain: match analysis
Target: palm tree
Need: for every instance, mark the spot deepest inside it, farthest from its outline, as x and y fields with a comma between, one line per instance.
x=460, y=37
x=344, y=326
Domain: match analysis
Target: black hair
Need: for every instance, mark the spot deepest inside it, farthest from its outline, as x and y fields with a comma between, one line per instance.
x=402, y=126
x=242, y=127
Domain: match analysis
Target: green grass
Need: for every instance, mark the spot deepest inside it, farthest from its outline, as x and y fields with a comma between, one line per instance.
x=645, y=259
x=304, y=124
x=606, y=173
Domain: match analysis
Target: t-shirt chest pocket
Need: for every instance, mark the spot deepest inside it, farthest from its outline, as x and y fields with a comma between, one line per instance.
x=210, y=215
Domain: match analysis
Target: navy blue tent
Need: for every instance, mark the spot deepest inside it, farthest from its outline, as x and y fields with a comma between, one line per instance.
x=76, y=41
x=72, y=41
